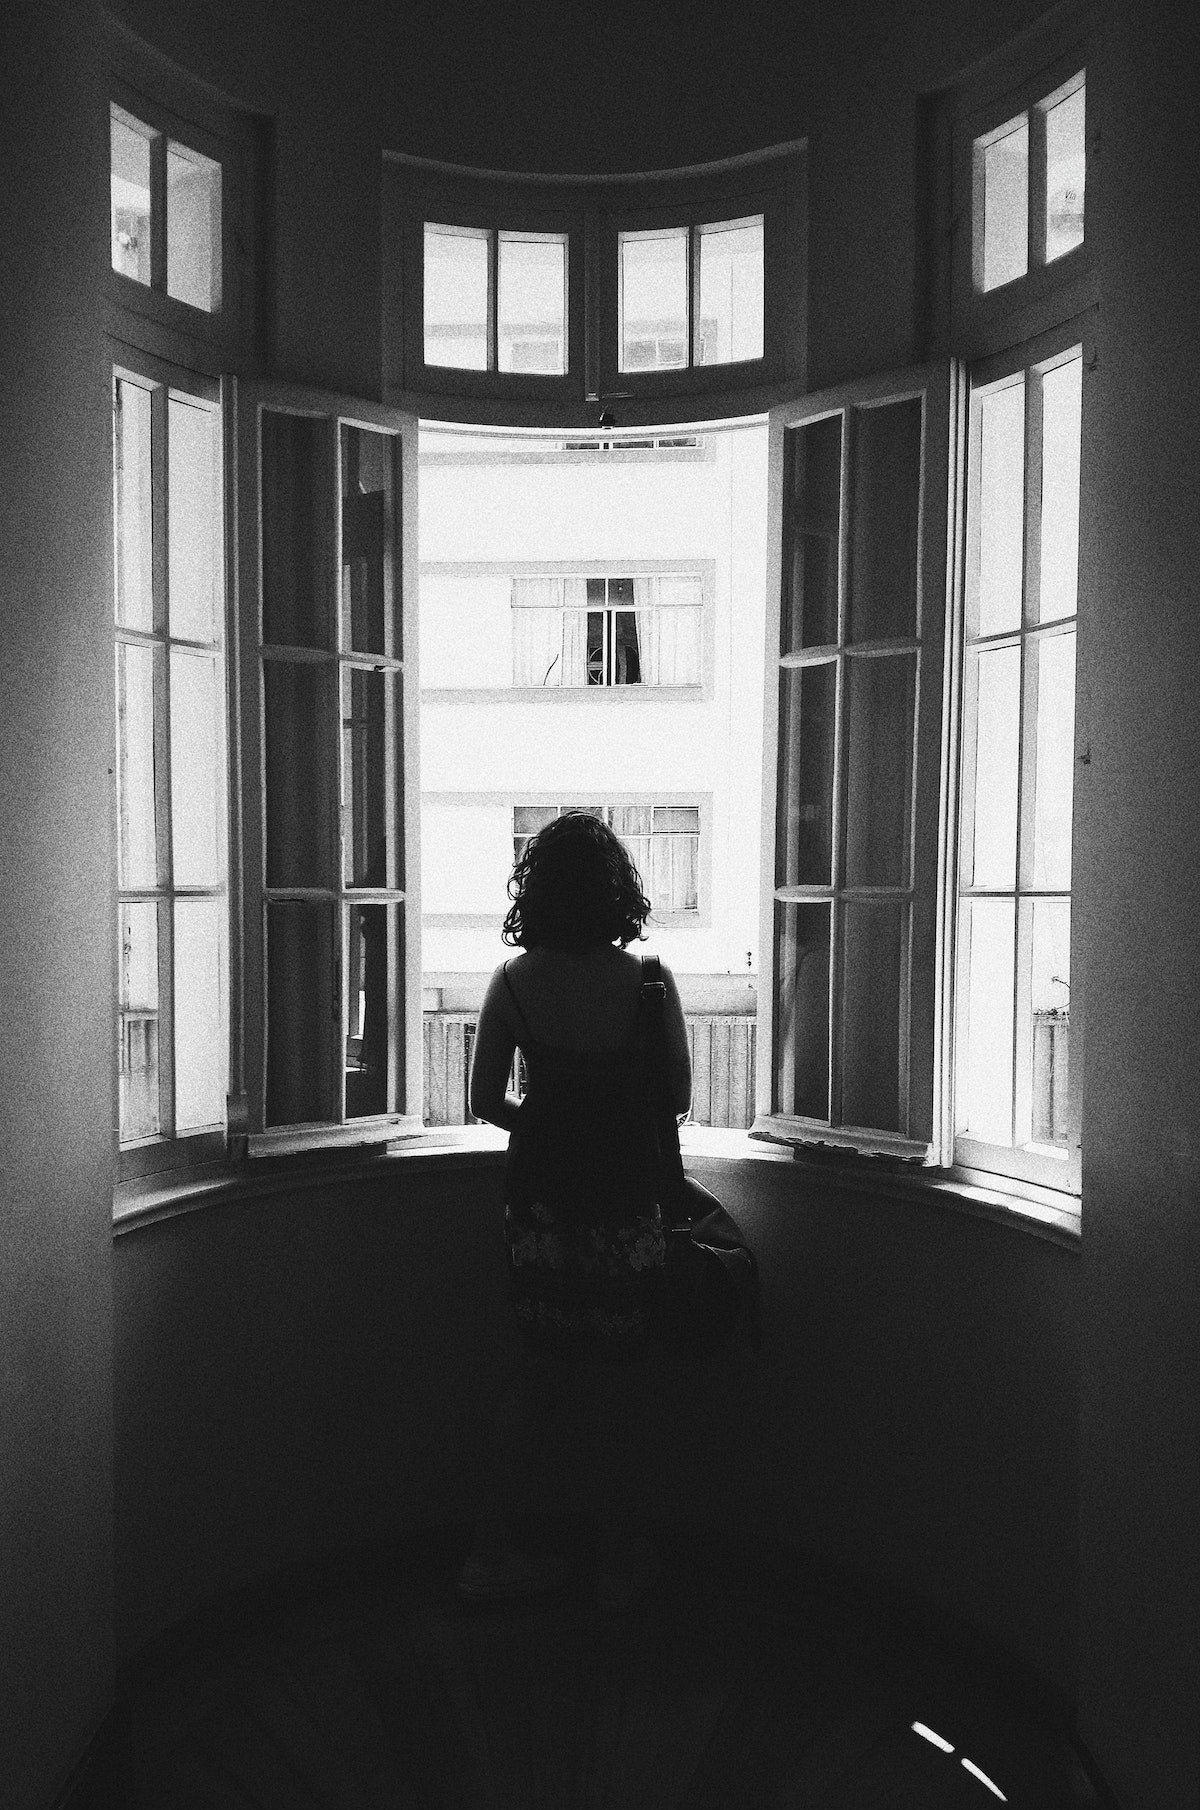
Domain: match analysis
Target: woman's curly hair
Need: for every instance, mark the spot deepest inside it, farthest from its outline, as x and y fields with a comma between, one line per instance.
x=575, y=886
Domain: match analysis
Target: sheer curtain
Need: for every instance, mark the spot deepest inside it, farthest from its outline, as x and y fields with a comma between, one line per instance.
x=537, y=630
x=669, y=631
x=574, y=631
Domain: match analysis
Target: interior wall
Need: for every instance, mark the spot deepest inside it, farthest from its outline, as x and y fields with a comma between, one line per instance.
x=307, y=1370
x=56, y=918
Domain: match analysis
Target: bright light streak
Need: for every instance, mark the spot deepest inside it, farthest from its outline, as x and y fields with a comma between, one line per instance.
x=919, y=1728
x=984, y=1780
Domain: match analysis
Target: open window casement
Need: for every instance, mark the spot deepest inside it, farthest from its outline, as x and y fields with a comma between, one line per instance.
x=849, y=1025
x=331, y=1038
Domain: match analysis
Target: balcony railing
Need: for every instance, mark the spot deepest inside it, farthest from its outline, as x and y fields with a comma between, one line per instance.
x=722, y=1047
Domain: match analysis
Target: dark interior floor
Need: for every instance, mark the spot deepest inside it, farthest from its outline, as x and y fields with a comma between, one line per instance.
x=363, y=1682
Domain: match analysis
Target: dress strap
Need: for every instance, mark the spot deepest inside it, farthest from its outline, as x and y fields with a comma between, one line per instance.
x=516, y=1002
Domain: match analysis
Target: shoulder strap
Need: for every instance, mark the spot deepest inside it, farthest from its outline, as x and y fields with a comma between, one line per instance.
x=516, y=1002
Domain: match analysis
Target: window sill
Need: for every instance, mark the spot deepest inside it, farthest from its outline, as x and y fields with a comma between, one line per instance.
x=1038, y=1212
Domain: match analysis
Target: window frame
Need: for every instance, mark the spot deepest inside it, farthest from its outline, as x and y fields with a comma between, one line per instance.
x=698, y=918
x=333, y=413
x=166, y=1154
x=922, y=1054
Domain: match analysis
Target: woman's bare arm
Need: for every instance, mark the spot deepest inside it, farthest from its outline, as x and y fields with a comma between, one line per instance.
x=491, y=1061
x=679, y=1061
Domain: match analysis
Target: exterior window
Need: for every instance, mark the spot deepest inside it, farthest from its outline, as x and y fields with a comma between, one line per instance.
x=1028, y=179
x=690, y=295
x=607, y=631
x=495, y=300
x=1013, y=993
x=663, y=842
x=165, y=213
x=170, y=762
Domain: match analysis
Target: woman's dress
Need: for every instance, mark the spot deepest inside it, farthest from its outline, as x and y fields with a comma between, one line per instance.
x=582, y=1225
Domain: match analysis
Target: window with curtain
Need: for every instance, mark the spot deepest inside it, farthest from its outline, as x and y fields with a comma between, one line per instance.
x=573, y=631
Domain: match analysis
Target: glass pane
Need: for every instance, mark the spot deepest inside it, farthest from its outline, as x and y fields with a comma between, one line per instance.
x=137, y=854
x=532, y=303
x=528, y=818
x=1054, y=658
x=685, y=817
x=301, y=1007
x=801, y=1079
x=885, y=504
x=985, y=1098
x=811, y=535
x=366, y=825
x=200, y=1059
x=456, y=297
x=138, y=1020
x=366, y=1010
x=670, y=644
x=872, y=969
x=992, y=861
x=626, y=659
x=296, y=700
x=194, y=586
x=197, y=769
x=193, y=228
x=653, y=301
x=636, y=819
x=674, y=872
x=730, y=325
x=133, y=508
x=1002, y=194
x=368, y=542
x=804, y=825
x=881, y=702
x=293, y=509
x=1066, y=168
x=1062, y=408
x=1050, y=1017
x=997, y=553
x=129, y=207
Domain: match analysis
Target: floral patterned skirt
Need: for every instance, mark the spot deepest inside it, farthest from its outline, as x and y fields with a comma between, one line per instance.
x=587, y=1282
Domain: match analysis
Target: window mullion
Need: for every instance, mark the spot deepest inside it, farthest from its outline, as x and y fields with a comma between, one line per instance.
x=493, y=304
x=158, y=212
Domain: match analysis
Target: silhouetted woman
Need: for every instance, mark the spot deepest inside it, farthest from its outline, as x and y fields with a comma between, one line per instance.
x=582, y=1226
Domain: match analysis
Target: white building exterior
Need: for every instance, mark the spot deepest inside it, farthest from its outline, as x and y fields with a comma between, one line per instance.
x=691, y=517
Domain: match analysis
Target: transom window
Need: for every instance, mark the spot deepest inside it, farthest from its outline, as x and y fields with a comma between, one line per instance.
x=663, y=841
x=1028, y=184
x=690, y=295
x=495, y=300
x=164, y=212
x=579, y=631
x=172, y=1005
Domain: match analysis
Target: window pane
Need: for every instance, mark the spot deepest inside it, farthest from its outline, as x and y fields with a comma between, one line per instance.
x=730, y=326
x=200, y=1060
x=1002, y=192
x=366, y=823
x=626, y=657
x=301, y=1007
x=193, y=228
x=193, y=523
x=529, y=818
x=296, y=699
x=992, y=860
x=137, y=856
x=293, y=510
x=885, y=489
x=1054, y=658
x=1062, y=406
x=537, y=647
x=674, y=878
x=881, y=699
x=804, y=840
x=813, y=493
x=197, y=815
x=636, y=819
x=138, y=1020
x=997, y=552
x=366, y=1010
x=653, y=301
x=1050, y=1017
x=801, y=1079
x=133, y=508
x=369, y=624
x=456, y=297
x=873, y=972
x=985, y=1090
x=129, y=209
x=532, y=302
x=670, y=646
x=1066, y=168
x=683, y=817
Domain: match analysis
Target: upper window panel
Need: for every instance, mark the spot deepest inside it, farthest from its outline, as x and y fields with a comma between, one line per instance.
x=495, y=300
x=165, y=213
x=1028, y=181
x=690, y=295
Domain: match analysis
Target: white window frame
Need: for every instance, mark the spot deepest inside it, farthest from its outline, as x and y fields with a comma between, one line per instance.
x=330, y=415
x=610, y=610
x=691, y=918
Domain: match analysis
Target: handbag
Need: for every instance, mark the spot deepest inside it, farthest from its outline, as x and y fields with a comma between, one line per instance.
x=709, y=1288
